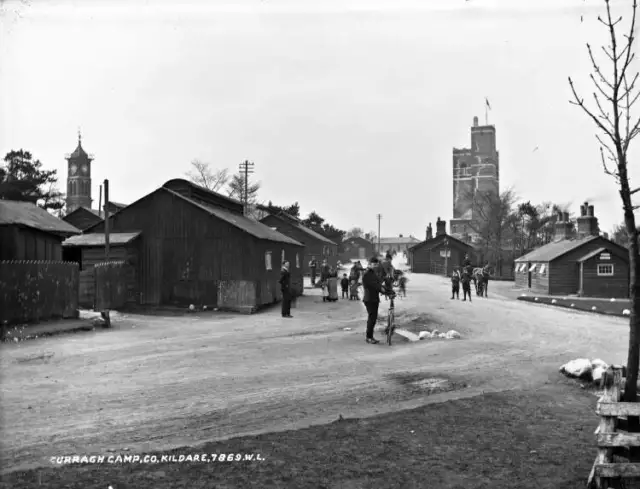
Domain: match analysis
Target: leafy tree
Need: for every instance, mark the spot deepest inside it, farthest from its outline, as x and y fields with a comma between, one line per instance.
x=318, y=224
x=620, y=236
x=615, y=95
x=355, y=232
x=292, y=210
x=202, y=174
x=22, y=178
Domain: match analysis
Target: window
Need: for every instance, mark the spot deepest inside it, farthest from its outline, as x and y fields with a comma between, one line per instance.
x=267, y=260
x=522, y=267
x=605, y=270
x=297, y=260
x=542, y=268
x=533, y=268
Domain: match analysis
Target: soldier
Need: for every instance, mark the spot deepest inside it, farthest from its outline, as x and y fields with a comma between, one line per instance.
x=285, y=287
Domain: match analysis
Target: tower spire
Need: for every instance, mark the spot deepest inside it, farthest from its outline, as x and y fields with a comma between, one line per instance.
x=79, y=136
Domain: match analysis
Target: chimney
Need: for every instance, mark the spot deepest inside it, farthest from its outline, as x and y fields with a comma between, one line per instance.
x=400, y=236
x=441, y=227
x=475, y=121
x=587, y=222
x=563, y=227
x=429, y=232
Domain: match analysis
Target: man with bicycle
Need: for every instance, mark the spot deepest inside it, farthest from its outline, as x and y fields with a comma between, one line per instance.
x=373, y=286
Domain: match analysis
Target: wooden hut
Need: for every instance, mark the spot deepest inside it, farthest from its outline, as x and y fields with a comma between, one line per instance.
x=28, y=232
x=315, y=244
x=89, y=249
x=197, y=247
x=586, y=265
x=356, y=248
x=83, y=218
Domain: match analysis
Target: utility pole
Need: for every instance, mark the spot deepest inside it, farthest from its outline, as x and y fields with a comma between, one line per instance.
x=379, y=216
x=246, y=167
x=106, y=220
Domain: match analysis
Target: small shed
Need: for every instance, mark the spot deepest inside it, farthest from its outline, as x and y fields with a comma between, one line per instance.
x=89, y=249
x=440, y=255
x=315, y=244
x=397, y=244
x=28, y=232
x=197, y=247
x=83, y=218
x=589, y=265
x=356, y=248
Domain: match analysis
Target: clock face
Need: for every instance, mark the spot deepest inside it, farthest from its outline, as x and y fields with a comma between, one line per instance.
x=85, y=169
x=74, y=169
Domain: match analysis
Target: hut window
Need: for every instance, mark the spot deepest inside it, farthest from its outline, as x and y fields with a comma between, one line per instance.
x=297, y=260
x=533, y=268
x=542, y=268
x=267, y=260
x=605, y=269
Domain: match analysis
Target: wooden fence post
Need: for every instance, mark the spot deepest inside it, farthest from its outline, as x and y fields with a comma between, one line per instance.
x=611, y=381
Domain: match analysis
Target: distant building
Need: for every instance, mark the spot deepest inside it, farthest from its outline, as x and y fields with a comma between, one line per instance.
x=587, y=265
x=439, y=254
x=475, y=170
x=398, y=243
x=355, y=248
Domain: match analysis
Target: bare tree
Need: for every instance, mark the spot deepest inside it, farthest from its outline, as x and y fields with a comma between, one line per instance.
x=202, y=174
x=614, y=96
x=355, y=232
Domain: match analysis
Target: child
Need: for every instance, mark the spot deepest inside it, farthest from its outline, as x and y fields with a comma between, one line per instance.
x=466, y=285
x=455, y=284
x=353, y=291
x=345, y=285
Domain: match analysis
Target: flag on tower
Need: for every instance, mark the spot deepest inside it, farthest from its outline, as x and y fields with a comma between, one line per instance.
x=487, y=102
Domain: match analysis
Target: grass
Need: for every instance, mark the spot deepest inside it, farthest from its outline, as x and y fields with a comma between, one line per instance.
x=603, y=306
x=515, y=439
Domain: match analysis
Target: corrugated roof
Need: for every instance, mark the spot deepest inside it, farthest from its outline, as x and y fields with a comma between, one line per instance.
x=30, y=215
x=430, y=243
x=95, y=212
x=551, y=251
x=255, y=228
x=97, y=239
x=294, y=221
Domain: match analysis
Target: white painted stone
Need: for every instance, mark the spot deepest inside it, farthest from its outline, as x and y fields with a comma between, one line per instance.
x=452, y=334
x=573, y=305
x=442, y=335
x=593, y=308
x=407, y=334
x=425, y=335
x=580, y=368
x=523, y=295
x=613, y=299
x=597, y=373
x=626, y=312
x=535, y=299
x=553, y=301
x=192, y=307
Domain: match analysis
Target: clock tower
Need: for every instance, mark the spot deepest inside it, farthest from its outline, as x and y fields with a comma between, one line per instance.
x=79, y=178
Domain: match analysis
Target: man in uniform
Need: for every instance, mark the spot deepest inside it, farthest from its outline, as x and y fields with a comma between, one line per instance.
x=285, y=287
x=372, y=288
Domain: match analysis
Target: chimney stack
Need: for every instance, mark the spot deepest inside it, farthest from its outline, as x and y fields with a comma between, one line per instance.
x=475, y=121
x=441, y=227
x=429, y=232
x=587, y=222
x=563, y=227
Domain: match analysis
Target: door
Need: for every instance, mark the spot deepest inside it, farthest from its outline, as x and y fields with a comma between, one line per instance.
x=362, y=253
x=529, y=273
x=151, y=272
x=581, y=282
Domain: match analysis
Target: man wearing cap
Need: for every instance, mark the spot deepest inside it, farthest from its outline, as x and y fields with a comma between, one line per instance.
x=285, y=287
x=372, y=288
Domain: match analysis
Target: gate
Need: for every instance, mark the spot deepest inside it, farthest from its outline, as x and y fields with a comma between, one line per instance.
x=111, y=285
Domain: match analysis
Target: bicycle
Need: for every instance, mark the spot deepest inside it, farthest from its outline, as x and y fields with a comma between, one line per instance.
x=391, y=319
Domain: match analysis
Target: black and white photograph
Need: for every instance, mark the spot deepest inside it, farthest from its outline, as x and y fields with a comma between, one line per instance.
x=350, y=244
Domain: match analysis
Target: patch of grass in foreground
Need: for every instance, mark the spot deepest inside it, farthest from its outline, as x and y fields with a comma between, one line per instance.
x=603, y=306
x=517, y=439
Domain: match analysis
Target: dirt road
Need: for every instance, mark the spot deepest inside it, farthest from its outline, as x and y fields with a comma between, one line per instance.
x=154, y=383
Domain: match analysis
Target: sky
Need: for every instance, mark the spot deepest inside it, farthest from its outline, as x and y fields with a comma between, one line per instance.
x=350, y=107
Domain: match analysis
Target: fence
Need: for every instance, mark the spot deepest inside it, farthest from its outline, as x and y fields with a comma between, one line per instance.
x=611, y=440
x=111, y=280
x=31, y=291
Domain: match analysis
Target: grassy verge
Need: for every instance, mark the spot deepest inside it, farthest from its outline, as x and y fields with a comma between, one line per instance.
x=602, y=306
x=517, y=439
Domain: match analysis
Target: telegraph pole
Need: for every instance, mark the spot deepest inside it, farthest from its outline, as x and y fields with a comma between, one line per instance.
x=246, y=167
x=379, y=216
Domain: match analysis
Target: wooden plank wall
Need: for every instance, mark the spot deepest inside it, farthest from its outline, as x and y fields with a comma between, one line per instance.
x=31, y=291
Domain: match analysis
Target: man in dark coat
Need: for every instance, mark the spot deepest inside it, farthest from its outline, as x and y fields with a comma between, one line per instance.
x=313, y=267
x=372, y=289
x=325, y=272
x=466, y=263
x=285, y=287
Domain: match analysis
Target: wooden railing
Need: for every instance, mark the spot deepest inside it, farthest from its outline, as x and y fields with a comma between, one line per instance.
x=610, y=438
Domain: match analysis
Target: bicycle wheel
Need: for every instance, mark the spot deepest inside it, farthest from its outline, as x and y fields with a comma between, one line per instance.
x=390, y=327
